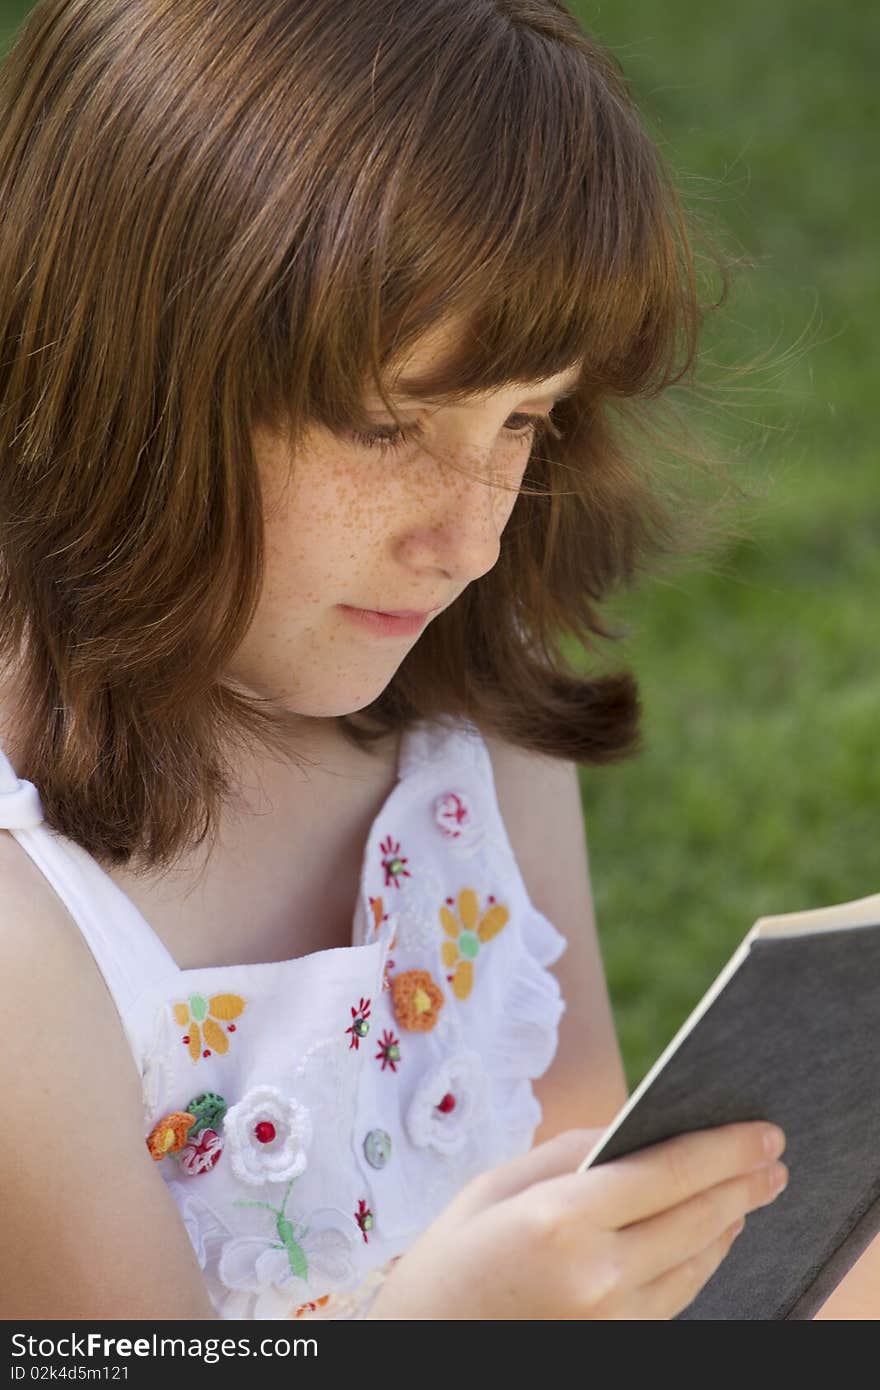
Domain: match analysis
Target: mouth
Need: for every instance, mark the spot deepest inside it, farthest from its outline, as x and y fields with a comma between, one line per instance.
x=401, y=613
x=382, y=624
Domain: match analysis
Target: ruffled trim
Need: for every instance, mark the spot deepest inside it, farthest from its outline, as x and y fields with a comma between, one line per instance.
x=525, y=1043
x=541, y=939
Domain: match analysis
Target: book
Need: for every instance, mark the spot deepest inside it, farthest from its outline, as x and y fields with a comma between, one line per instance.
x=789, y=1032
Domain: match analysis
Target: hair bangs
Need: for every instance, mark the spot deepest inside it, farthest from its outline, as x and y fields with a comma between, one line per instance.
x=534, y=211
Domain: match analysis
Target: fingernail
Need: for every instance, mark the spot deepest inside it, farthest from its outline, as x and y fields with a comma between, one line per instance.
x=780, y=1178
x=774, y=1141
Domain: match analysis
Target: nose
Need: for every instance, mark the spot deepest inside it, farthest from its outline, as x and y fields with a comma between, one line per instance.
x=468, y=507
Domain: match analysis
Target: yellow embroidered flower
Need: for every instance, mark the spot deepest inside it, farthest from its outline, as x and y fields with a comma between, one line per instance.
x=466, y=936
x=198, y=1016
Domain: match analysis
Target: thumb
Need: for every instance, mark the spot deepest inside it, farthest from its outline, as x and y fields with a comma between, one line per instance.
x=554, y=1157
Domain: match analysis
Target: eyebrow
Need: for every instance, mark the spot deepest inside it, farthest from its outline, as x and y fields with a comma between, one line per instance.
x=568, y=388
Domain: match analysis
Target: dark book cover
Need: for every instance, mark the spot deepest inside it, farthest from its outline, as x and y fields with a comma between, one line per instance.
x=792, y=1036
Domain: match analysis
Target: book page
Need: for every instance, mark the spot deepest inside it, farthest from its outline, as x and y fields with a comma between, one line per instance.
x=864, y=912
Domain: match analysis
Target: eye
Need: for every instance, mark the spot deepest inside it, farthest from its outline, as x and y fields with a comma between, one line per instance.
x=390, y=437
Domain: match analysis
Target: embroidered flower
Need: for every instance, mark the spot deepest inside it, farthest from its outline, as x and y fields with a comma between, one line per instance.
x=448, y=1103
x=299, y=1255
x=359, y=1027
x=467, y=934
x=455, y=819
x=199, y=1016
x=389, y=1050
x=393, y=862
x=451, y=814
x=201, y=1153
x=208, y=1110
x=169, y=1135
x=364, y=1217
x=378, y=913
x=312, y=1307
x=417, y=1000
x=267, y=1134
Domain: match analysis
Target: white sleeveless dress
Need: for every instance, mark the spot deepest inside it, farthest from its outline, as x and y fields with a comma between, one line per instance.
x=312, y=1116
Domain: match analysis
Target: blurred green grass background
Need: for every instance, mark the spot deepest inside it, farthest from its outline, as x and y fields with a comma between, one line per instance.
x=760, y=672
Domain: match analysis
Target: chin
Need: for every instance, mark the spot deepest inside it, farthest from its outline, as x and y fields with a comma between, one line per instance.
x=333, y=706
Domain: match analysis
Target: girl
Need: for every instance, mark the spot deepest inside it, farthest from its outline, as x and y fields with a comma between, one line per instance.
x=324, y=330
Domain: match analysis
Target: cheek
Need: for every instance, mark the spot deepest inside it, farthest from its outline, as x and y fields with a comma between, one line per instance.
x=323, y=528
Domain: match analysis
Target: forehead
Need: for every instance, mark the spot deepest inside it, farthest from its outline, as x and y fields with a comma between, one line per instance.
x=404, y=379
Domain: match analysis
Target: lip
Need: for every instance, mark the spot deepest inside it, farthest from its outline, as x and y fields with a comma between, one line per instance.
x=401, y=624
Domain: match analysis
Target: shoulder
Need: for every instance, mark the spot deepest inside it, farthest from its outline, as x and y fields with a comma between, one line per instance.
x=540, y=803
x=70, y=1086
x=41, y=949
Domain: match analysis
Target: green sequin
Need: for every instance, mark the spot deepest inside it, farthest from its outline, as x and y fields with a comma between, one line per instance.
x=198, y=1007
x=468, y=944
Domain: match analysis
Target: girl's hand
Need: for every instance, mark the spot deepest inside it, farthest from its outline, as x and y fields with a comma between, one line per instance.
x=636, y=1238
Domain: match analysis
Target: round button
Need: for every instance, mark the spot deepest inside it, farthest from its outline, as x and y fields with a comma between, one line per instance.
x=377, y=1147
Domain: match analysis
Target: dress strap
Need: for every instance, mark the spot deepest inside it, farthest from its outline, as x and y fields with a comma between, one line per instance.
x=433, y=743
x=20, y=805
x=126, y=949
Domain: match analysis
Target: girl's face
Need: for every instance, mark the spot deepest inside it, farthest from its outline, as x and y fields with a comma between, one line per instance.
x=384, y=529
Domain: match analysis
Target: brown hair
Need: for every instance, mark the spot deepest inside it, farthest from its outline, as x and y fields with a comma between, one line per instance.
x=217, y=215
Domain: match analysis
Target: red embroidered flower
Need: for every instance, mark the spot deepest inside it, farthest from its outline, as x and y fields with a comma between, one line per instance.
x=359, y=1026
x=389, y=1050
x=393, y=862
x=451, y=812
x=201, y=1153
x=364, y=1217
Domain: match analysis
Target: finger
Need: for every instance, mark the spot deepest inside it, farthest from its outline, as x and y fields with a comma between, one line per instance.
x=556, y=1157
x=667, y=1296
x=652, y=1247
x=664, y=1175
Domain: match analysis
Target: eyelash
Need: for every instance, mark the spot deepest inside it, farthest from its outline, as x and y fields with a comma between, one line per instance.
x=396, y=438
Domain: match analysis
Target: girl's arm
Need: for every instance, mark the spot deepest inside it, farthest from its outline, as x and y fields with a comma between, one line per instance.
x=88, y=1229
x=857, y=1296
x=540, y=804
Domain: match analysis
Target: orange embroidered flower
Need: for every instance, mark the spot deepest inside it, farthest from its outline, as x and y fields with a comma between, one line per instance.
x=312, y=1307
x=466, y=935
x=169, y=1135
x=377, y=910
x=198, y=1016
x=417, y=1000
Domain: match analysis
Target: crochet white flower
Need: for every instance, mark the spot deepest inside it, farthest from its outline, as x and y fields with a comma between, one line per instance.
x=447, y=1103
x=267, y=1134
